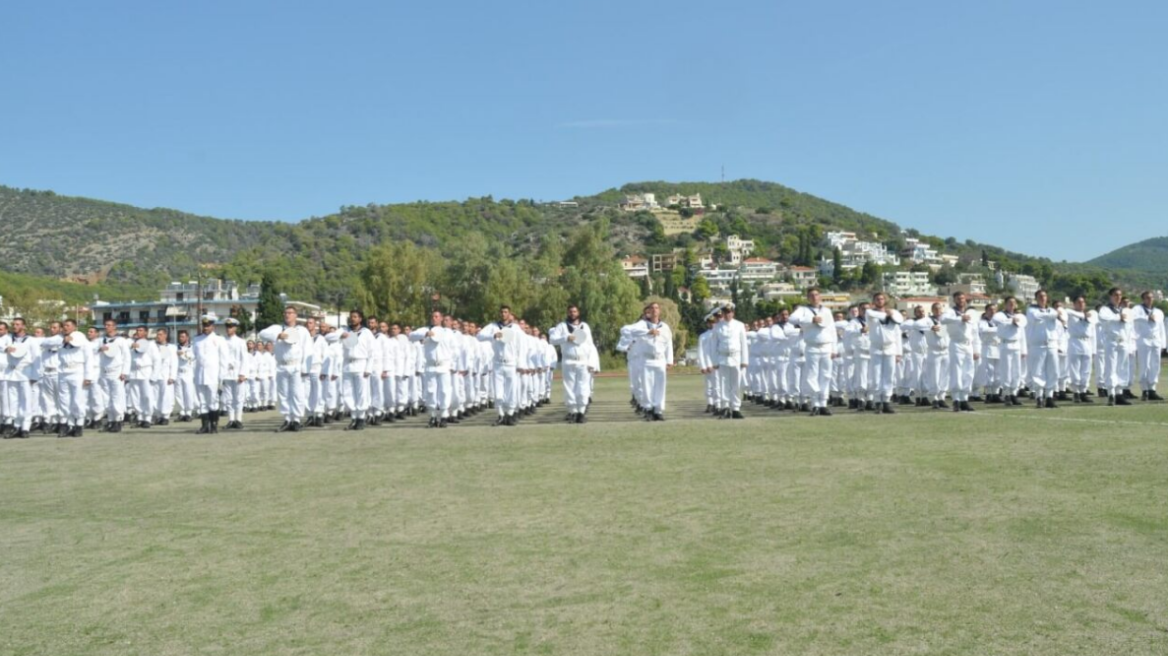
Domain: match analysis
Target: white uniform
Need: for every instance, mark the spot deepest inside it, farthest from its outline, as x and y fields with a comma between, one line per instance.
x=819, y=341
x=1081, y=349
x=1012, y=334
x=236, y=364
x=184, y=382
x=113, y=358
x=164, y=379
x=574, y=341
x=289, y=354
x=1042, y=340
x=74, y=368
x=731, y=357
x=986, y=377
x=1151, y=339
x=437, y=359
x=19, y=371
x=656, y=352
x=507, y=353
x=143, y=356
x=886, y=348
x=209, y=351
x=358, y=350
x=963, y=347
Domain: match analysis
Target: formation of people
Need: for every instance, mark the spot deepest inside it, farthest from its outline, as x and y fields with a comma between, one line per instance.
x=372, y=372
x=873, y=358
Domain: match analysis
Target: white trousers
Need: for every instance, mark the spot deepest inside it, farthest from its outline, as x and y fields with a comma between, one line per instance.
x=290, y=394
x=882, y=376
x=19, y=403
x=208, y=398
x=184, y=393
x=72, y=399
x=1080, y=370
x=653, y=383
x=114, y=391
x=1010, y=371
x=961, y=370
x=356, y=394
x=438, y=392
x=577, y=386
x=163, y=399
x=1149, y=359
x=50, y=398
x=233, y=393
x=1044, y=372
x=729, y=386
x=935, y=378
x=817, y=367
x=141, y=399
x=506, y=381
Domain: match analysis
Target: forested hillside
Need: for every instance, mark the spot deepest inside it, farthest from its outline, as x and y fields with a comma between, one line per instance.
x=321, y=258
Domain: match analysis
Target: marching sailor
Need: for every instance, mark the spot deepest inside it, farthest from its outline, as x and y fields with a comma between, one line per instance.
x=574, y=336
x=290, y=343
x=731, y=358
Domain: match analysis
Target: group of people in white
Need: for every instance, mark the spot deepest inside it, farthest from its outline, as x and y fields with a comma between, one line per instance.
x=373, y=372
x=65, y=381
x=873, y=358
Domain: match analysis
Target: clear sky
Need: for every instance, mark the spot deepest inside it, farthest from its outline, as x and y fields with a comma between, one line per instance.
x=1039, y=125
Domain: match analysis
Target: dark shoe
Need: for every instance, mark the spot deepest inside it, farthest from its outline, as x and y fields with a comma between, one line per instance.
x=814, y=412
x=1014, y=401
x=284, y=427
x=1110, y=401
x=63, y=430
x=1122, y=400
x=887, y=409
x=657, y=416
x=77, y=432
x=1050, y=403
x=977, y=399
x=825, y=412
x=965, y=407
x=295, y=427
x=1083, y=398
x=1153, y=396
x=581, y=418
x=1127, y=394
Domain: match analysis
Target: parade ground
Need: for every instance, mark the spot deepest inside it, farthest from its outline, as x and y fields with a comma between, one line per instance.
x=998, y=532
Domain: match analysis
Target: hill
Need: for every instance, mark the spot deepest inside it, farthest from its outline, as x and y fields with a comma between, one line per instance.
x=319, y=258
x=1148, y=256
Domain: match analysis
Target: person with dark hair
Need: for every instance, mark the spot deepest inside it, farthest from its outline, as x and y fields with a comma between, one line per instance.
x=1011, y=327
x=290, y=348
x=359, y=349
x=507, y=352
x=985, y=378
x=574, y=336
x=1151, y=338
x=819, y=336
x=19, y=351
x=184, y=382
x=1081, y=348
x=75, y=372
x=653, y=338
x=1115, y=319
x=437, y=359
x=1042, y=349
x=886, y=349
x=143, y=357
x=964, y=350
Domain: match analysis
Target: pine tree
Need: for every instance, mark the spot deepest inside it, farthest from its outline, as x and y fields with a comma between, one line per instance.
x=270, y=310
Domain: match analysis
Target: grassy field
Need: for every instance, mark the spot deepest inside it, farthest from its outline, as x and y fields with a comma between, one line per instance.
x=1001, y=532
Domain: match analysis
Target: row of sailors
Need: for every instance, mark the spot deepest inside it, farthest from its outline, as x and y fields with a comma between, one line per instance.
x=67, y=380
x=812, y=358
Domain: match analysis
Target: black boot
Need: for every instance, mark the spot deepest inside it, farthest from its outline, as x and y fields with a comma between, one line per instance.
x=887, y=409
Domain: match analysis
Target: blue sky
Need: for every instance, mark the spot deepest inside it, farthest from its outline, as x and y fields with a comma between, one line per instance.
x=1040, y=126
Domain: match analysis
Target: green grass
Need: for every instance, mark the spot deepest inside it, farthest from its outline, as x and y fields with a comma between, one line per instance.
x=1004, y=532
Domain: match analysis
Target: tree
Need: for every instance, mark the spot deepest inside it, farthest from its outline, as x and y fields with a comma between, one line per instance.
x=699, y=290
x=837, y=266
x=870, y=274
x=397, y=281
x=270, y=309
